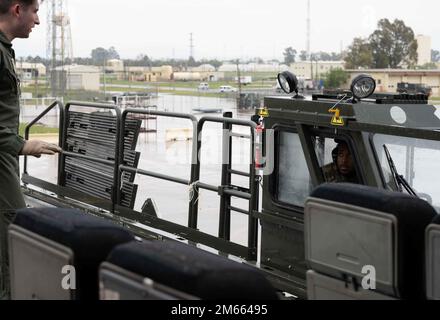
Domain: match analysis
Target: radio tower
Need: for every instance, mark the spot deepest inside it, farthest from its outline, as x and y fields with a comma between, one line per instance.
x=309, y=26
x=59, y=42
x=191, y=46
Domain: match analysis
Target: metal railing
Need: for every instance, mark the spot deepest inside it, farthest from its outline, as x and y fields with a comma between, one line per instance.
x=226, y=191
x=123, y=168
x=36, y=120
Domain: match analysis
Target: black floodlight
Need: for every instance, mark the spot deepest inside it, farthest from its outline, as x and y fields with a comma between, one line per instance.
x=363, y=86
x=288, y=83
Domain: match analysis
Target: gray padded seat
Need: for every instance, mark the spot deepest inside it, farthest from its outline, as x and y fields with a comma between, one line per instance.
x=433, y=260
x=349, y=227
x=44, y=241
x=181, y=270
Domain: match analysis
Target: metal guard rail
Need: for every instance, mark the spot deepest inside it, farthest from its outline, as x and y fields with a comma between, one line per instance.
x=251, y=196
x=35, y=121
x=121, y=118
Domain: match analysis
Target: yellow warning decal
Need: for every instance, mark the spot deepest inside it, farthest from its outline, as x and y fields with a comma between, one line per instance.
x=263, y=113
x=337, y=119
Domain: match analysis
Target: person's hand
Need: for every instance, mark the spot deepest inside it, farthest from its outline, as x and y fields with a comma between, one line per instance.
x=37, y=148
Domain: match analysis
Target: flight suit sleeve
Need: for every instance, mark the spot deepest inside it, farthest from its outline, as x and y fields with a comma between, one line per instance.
x=10, y=142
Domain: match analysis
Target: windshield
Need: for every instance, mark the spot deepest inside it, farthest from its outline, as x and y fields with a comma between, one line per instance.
x=416, y=160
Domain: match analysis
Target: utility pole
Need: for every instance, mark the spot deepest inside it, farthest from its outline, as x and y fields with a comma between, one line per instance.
x=191, y=46
x=309, y=27
x=191, y=50
x=239, y=84
x=308, y=47
x=317, y=64
x=36, y=85
x=239, y=76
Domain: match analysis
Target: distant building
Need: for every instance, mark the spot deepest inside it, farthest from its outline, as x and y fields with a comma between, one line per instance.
x=313, y=69
x=203, y=68
x=187, y=76
x=148, y=74
x=253, y=67
x=424, y=49
x=114, y=65
x=28, y=71
x=387, y=79
x=204, y=72
x=78, y=77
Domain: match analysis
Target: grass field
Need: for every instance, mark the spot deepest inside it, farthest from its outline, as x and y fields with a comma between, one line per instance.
x=38, y=129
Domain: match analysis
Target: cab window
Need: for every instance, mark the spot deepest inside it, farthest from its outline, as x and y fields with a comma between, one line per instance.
x=415, y=159
x=293, y=183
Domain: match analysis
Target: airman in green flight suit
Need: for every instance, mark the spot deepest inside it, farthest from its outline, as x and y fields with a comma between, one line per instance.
x=17, y=19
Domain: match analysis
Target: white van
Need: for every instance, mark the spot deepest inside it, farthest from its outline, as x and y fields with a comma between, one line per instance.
x=227, y=89
x=203, y=86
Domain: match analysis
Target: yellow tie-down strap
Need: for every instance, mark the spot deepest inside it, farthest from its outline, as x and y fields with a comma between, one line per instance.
x=337, y=120
x=263, y=112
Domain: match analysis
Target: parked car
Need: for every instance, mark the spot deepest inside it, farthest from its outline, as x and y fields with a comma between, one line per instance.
x=203, y=86
x=227, y=89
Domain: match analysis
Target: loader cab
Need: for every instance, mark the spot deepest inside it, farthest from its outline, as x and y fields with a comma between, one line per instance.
x=391, y=140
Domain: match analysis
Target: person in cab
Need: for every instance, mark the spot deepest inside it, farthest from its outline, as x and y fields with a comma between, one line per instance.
x=342, y=168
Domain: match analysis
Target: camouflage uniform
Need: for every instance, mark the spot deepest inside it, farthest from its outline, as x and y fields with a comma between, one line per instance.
x=11, y=144
x=331, y=174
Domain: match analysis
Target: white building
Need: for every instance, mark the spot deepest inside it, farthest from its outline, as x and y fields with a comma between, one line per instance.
x=187, y=76
x=148, y=74
x=203, y=68
x=114, y=65
x=253, y=67
x=79, y=77
x=28, y=71
x=424, y=49
x=313, y=69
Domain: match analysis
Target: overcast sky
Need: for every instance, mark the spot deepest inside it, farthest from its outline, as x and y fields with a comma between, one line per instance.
x=226, y=29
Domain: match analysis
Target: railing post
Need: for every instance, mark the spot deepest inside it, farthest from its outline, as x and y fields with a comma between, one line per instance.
x=254, y=188
x=195, y=177
x=225, y=200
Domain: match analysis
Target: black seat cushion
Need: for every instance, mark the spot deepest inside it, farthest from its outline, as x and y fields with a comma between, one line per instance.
x=90, y=238
x=436, y=219
x=193, y=271
x=413, y=216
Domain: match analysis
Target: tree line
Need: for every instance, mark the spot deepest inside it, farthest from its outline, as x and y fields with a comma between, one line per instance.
x=391, y=45
x=290, y=56
x=99, y=56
